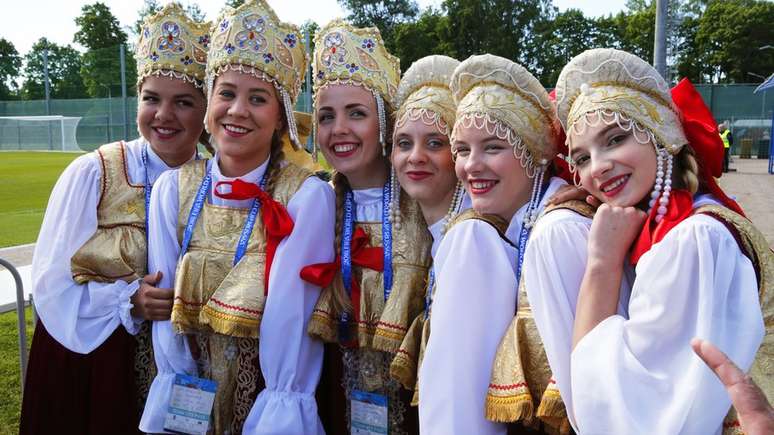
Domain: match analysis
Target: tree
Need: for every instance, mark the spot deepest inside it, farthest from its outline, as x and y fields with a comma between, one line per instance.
x=415, y=40
x=64, y=65
x=151, y=7
x=235, y=3
x=729, y=37
x=100, y=33
x=568, y=35
x=10, y=64
x=98, y=27
x=386, y=15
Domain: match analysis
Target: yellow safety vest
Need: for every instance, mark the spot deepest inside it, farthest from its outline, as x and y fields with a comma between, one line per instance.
x=724, y=136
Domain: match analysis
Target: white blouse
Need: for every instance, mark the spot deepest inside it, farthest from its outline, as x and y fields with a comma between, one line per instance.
x=290, y=360
x=82, y=316
x=473, y=305
x=635, y=372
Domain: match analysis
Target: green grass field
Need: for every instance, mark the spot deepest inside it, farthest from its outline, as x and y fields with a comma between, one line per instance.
x=10, y=405
x=26, y=180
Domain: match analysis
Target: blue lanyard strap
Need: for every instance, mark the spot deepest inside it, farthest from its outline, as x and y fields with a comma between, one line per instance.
x=387, y=240
x=196, y=209
x=524, y=237
x=429, y=292
x=148, y=189
x=346, y=248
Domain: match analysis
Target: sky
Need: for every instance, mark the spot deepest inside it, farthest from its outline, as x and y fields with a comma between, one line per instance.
x=55, y=19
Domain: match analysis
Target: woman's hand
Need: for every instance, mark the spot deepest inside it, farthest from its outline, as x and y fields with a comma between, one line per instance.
x=152, y=303
x=613, y=231
x=569, y=193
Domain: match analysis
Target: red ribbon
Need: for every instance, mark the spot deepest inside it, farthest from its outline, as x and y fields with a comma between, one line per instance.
x=363, y=255
x=679, y=208
x=277, y=223
x=701, y=130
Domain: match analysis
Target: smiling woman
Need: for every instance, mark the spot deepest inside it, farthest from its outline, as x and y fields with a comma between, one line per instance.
x=230, y=234
x=91, y=284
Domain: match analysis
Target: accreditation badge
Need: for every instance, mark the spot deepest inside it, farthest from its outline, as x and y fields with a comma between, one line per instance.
x=190, y=405
x=369, y=414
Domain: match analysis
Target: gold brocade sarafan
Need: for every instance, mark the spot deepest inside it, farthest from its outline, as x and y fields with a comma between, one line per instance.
x=220, y=305
x=521, y=376
x=212, y=294
x=117, y=250
x=753, y=244
x=408, y=360
x=383, y=325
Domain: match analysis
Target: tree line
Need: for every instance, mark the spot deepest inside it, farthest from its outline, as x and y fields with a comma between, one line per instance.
x=710, y=41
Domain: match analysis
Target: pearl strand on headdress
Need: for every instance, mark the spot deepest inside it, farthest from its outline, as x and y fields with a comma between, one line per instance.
x=382, y=122
x=395, y=217
x=454, y=207
x=531, y=214
x=663, y=184
x=291, y=119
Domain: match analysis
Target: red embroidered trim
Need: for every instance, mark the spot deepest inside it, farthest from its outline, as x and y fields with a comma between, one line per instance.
x=235, y=308
x=507, y=387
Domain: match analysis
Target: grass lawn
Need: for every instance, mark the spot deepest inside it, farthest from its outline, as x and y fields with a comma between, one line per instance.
x=26, y=180
x=10, y=405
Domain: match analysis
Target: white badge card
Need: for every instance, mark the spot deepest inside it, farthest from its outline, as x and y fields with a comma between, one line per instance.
x=190, y=405
x=369, y=413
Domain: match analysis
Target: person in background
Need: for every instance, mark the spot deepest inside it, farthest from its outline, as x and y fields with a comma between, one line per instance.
x=728, y=141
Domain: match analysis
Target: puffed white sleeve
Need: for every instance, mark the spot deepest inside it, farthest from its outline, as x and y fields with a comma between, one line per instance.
x=170, y=351
x=79, y=316
x=639, y=375
x=553, y=269
x=290, y=359
x=474, y=302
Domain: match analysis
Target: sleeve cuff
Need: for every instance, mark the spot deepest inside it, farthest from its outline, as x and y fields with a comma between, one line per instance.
x=280, y=412
x=131, y=324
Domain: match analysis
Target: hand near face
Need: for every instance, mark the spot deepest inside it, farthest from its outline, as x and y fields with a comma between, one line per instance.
x=755, y=413
x=613, y=231
x=570, y=193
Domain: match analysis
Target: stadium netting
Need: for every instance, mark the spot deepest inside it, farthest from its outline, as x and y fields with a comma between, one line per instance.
x=44, y=133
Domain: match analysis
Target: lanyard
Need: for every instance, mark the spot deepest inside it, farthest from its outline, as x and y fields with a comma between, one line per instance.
x=148, y=188
x=346, y=243
x=196, y=209
x=523, y=237
x=429, y=292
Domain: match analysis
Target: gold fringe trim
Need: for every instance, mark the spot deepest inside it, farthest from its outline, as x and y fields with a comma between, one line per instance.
x=551, y=406
x=227, y=324
x=404, y=370
x=509, y=409
x=415, y=397
x=322, y=327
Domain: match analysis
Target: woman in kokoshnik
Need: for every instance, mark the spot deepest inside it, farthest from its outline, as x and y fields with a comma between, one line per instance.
x=232, y=233
x=424, y=168
x=504, y=139
x=90, y=361
x=375, y=288
x=623, y=361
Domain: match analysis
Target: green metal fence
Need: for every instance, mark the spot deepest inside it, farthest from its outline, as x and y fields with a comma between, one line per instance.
x=102, y=119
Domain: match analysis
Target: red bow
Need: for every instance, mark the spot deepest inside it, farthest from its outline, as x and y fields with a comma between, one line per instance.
x=363, y=255
x=277, y=223
x=679, y=208
x=560, y=165
x=701, y=130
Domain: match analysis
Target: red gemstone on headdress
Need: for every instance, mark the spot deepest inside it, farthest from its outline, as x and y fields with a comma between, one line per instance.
x=251, y=35
x=170, y=37
x=333, y=50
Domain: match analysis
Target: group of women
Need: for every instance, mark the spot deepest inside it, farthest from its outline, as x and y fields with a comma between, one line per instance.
x=438, y=285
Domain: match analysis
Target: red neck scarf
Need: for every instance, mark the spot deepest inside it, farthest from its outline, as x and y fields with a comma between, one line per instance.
x=277, y=223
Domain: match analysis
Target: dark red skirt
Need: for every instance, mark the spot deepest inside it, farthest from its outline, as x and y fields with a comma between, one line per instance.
x=68, y=392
